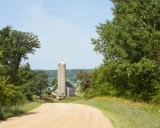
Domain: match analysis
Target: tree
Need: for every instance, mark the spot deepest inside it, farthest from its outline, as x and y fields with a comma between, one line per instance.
x=15, y=45
x=9, y=94
x=40, y=81
x=85, y=77
x=33, y=82
x=25, y=79
x=101, y=81
x=54, y=81
x=133, y=33
x=25, y=74
x=131, y=45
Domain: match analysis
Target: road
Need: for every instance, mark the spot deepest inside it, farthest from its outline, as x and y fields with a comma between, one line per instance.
x=59, y=115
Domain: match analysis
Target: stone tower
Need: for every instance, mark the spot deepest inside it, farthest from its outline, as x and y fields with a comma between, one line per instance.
x=62, y=78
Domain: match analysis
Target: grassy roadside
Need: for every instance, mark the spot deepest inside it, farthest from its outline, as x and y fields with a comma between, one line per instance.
x=124, y=113
x=17, y=110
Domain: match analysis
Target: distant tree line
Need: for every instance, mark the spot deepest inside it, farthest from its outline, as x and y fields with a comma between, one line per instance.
x=70, y=74
x=18, y=82
x=130, y=44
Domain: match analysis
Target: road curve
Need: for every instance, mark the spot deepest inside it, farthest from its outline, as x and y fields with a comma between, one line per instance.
x=59, y=115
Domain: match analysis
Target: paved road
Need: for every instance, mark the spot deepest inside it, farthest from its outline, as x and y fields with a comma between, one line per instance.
x=59, y=115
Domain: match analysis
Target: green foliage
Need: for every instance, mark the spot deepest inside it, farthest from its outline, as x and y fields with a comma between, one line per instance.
x=25, y=74
x=85, y=77
x=0, y=54
x=131, y=48
x=48, y=99
x=48, y=92
x=15, y=45
x=133, y=33
x=55, y=87
x=17, y=110
x=101, y=82
x=40, y=82
x=25, y=79
x=9, y=94
x=143, y=80
x=54, y=81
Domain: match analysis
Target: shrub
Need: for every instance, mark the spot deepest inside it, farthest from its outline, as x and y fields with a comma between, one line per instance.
x=9, y=94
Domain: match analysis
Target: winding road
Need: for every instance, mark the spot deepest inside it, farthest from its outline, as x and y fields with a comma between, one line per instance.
x=59, y=115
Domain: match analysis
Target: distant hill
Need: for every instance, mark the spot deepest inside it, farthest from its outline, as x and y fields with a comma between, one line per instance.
x=70, y=74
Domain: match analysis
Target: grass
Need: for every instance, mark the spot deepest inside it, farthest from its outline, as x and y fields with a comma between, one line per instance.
x=49, y=100
x=124, y=113
x=17, y=110
x=23, y=108
x=6, y=112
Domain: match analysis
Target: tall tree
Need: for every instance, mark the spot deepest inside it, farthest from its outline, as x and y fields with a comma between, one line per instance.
x=133, y=33
x=131, y=44
x=15, y=45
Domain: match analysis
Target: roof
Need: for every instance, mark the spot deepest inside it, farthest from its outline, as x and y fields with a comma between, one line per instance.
x=68, y=84
x=49, y=85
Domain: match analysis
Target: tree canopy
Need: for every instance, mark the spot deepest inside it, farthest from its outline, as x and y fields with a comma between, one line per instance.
x=133, y=33
x=18, y=82
x=15, y=46
x=130, y=44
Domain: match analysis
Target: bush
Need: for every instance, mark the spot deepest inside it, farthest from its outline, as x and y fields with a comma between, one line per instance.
x=9, y=94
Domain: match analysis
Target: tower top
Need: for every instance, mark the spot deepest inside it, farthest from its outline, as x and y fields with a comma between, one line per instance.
x=61, y=62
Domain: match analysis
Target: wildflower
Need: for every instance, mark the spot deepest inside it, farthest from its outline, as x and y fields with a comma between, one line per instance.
x=157, y=125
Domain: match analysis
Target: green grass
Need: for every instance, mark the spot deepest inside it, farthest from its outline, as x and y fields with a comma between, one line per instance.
x=17, y=110
x=124, y=113
x=48, y=100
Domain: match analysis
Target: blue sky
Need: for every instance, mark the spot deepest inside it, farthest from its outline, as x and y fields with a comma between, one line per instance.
x=64, y=28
